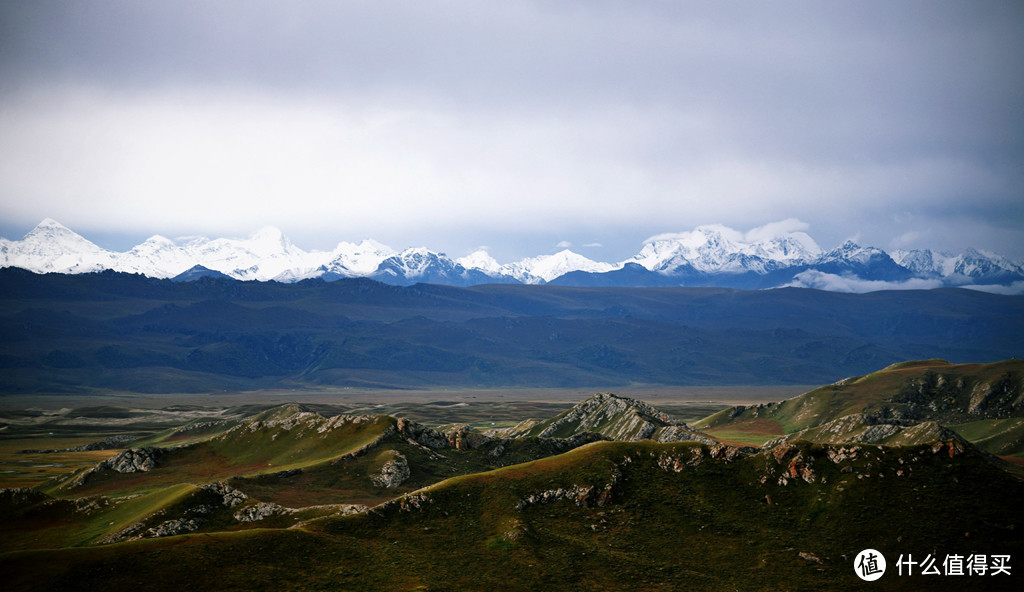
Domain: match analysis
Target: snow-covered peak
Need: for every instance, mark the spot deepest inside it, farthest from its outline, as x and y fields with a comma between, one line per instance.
x=359, y=259
x=922, y=262
x=791, y=247
x=419, y=264
x=976, y=264
x=707, y=255
x=50, y=237
x=158, y=257
x=49, y=223
x=481, y=260
x=851, y=252
x=53, y=247
x=715, y=248
x=548, y=267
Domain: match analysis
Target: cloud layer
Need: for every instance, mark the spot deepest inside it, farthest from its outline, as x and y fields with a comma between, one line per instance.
x=518, y=124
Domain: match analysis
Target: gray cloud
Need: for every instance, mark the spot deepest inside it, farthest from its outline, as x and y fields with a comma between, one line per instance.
x=450, y=124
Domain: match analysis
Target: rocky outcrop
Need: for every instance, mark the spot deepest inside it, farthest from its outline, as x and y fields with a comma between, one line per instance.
x=261, y=511
x=187, y=516
x=419, y=434
x=133, y=460
x=229, y=496
x=407, y=503
x=584, y=496
x=615, y=417
x=867, y=429
x=393, y=473
x=795, y=464
x=172, y=528
x=18, y=497
x=464, y=437
x=697, y=455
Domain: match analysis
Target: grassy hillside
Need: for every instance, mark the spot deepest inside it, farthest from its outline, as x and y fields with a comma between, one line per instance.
x=607, y=516
x=275, y=468
x=280, y=439
x=905, y=393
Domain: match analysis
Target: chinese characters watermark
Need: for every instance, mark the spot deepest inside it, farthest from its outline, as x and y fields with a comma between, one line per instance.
x=869, y=565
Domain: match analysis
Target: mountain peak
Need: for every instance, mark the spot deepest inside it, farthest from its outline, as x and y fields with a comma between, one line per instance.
x=50, y=227
x=615, y=417
x=773, y=255
x=51, y=223
x=482, y=260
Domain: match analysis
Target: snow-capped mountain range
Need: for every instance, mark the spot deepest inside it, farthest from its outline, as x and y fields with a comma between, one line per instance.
x=706, y=256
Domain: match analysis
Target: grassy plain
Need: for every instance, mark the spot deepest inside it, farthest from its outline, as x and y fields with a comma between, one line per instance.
x=48, y=422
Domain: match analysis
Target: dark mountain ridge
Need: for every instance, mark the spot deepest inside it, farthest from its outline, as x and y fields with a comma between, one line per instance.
x=122, y=331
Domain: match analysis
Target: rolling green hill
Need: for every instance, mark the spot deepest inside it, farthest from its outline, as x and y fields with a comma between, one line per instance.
x=606, y=516
x=983, y=400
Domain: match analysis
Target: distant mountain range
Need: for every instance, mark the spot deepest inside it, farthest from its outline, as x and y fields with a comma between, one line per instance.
x=127, y=332
x=705, y=256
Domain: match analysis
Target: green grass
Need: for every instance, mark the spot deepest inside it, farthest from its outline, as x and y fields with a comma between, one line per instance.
x=930, y=389
x=998, y=436
x=28, y=469
x=714, y=526
x=738, y=436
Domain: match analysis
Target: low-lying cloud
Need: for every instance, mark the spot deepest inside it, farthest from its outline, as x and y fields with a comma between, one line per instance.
x=848, y=283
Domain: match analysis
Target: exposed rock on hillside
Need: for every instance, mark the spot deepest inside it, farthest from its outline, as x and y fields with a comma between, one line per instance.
x=587, y=496
x=858, y=427
x=133, y=460
x=394, y=472
x=903, y=404
x=615, y=417
x=187, y=515
x=424, y=436
x=261, y=511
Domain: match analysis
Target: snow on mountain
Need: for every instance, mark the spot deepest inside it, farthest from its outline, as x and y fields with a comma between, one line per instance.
x=414, y=263
x=924, y=263
x=974, y=266
x=157, y=257
x=793, y=248
x=851, y=252
x=421, y=265
x=718, y=249
x=361, y=259
x=481, y=260
x=264, y=256
x=869, y=263
x=707, y=255
x=545, y=268
x=51, y=247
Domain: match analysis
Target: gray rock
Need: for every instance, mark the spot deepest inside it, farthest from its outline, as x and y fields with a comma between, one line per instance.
x=393, y=473
x=230, y=496
x=172, y=527
x=261, y=511
x=133, y=460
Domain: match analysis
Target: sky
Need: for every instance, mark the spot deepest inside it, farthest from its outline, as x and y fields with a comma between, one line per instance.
x=521, y=127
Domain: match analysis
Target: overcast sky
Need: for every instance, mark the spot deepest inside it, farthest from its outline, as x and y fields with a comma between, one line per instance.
x=519, y=126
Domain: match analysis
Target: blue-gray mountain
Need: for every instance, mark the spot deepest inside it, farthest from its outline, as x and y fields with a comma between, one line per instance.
x=121, y=331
